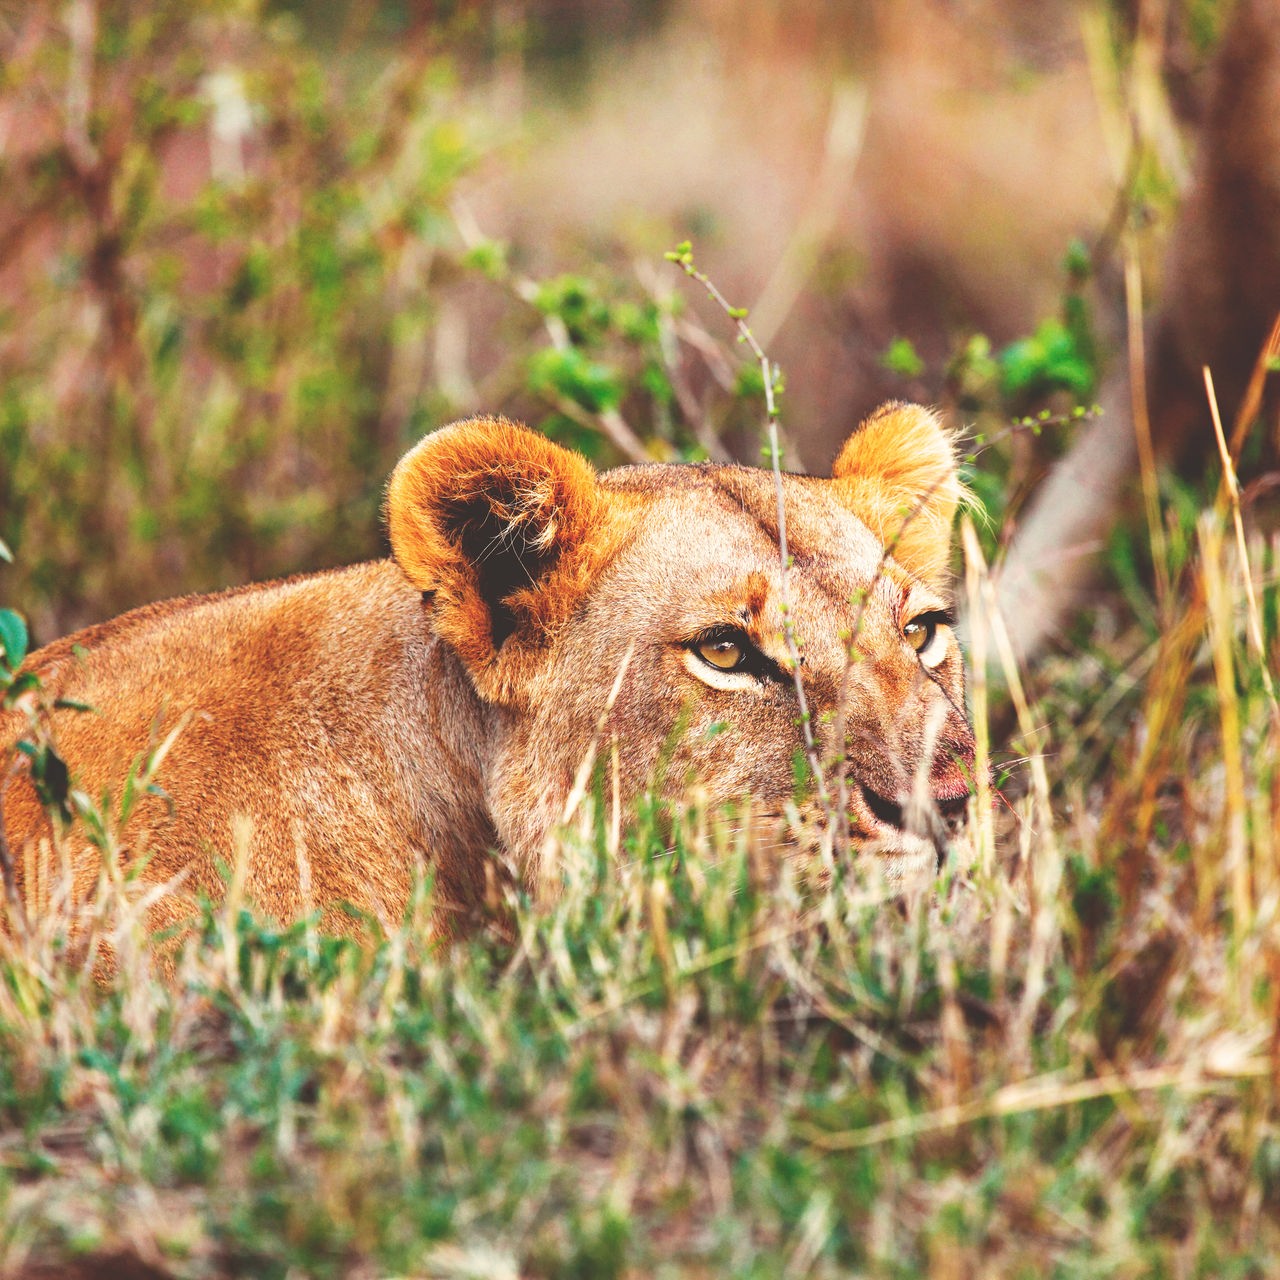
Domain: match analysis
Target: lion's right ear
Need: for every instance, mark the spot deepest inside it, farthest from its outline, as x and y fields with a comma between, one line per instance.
x=505, y=531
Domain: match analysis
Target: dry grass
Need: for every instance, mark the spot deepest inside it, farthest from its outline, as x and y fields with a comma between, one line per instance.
x=1060, y=1058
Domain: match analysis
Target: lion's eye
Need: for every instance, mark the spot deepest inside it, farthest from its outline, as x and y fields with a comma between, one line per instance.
x=927, y=635
x=919, y=633
x=723, y=652
x=725, y=658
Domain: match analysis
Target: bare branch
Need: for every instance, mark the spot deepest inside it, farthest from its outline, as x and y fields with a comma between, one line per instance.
x=683, y=258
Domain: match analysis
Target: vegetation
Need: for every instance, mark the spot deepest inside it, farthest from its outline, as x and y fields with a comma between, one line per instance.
x=1060, y=1059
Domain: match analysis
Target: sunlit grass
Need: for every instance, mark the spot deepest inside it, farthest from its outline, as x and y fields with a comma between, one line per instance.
x=694, y=1059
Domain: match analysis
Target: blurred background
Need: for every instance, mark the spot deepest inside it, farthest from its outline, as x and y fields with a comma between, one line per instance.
x=249, y=251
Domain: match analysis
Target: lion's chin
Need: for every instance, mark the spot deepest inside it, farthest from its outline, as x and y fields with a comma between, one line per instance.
x=902, y=856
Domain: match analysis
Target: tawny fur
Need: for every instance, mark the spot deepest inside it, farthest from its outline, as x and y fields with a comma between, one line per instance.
x=374, y=723
x=899, y=474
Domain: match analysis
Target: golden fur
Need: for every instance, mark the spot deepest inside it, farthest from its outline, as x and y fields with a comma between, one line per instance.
x=366, y=724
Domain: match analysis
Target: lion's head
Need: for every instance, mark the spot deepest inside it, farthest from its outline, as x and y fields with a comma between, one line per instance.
x=549, y=581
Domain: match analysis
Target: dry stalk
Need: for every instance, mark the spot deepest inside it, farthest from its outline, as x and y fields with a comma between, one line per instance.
x=583, y=777
x=1044, y=1094
x=1229, y=493
x=1252, y=401
x=1162, y=715
x=1220, y=637
x=975, y=576
x=1044, y=872
x=1142, y=423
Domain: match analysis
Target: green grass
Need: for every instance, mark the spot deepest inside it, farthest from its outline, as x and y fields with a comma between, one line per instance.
x=698, y=1060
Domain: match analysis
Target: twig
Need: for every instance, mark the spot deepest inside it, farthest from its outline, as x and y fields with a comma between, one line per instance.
x=682, y=256
x=82, y=31
x=669, y=334
x=608, y=421
x=1041, y=422
x=1252, y=401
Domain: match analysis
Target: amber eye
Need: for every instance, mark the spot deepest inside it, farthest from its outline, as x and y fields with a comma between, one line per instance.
x=927, y=635
x=920, y=632
x=723, y=652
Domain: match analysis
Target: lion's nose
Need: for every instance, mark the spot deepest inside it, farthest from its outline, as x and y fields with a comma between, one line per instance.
x=886, y=810
x=950, y=803
x=950, y=792
x=950, y=797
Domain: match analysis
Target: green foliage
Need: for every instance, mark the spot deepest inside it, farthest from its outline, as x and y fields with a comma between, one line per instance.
x=228, y=305
x=570, y=374
x=1050, y=358
x=13, y=640
x=901, y=358
x=238, y=315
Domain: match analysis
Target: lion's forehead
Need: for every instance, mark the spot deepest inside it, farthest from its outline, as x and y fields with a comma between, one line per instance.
x=733, y=508
x=704, y=548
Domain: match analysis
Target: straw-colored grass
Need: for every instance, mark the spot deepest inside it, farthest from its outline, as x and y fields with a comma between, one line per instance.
x=1060, y=1059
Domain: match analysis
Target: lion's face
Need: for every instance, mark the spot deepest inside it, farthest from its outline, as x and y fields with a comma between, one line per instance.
x=647, y=611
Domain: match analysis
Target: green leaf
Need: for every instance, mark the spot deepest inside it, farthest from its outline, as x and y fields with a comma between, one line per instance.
x=5, y=553
x=18, y=685
x=749, y=382
x=13, y=637
x=1049, y=359
x=903, y=359
x=1078, y=263
x=489, y=257
x=571, y=374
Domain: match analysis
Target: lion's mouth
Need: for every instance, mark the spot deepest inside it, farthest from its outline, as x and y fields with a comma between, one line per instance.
x=909, y=835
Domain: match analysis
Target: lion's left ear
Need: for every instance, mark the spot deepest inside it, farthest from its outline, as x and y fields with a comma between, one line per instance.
x=898, y=474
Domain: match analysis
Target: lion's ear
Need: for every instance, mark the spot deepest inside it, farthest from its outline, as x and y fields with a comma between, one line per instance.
x=898, y=475
x=505, y=531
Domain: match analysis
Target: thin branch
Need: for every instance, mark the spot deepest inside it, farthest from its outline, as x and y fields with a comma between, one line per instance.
x=683, y=258
x=609, y=422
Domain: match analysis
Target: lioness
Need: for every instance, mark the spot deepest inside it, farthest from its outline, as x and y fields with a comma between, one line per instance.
x=372, y=722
